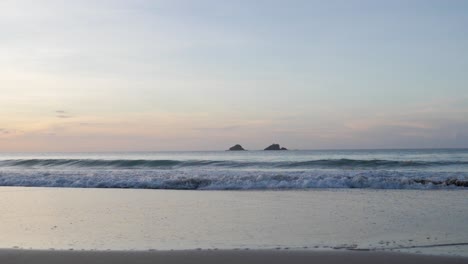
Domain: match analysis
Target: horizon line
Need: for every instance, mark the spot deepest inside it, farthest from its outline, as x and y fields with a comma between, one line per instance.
x=224, y=150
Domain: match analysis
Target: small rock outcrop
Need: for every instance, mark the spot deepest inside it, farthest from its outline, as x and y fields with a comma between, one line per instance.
x=275, y=147
x=236, y=147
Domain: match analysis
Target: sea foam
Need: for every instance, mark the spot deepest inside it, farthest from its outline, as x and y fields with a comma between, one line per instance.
x=222, y=179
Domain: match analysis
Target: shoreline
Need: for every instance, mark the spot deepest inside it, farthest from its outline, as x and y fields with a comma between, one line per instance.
x=133, y=219
x=14, y=256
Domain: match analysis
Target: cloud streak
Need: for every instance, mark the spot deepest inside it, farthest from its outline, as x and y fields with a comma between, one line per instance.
x=63, y=114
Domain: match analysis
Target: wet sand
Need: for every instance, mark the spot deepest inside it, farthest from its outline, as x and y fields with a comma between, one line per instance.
x=220, y=256
x=411, y=221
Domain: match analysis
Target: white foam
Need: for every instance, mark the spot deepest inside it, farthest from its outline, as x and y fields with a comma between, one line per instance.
x=233, y=179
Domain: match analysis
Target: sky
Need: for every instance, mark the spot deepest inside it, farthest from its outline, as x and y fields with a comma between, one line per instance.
x=137, y=75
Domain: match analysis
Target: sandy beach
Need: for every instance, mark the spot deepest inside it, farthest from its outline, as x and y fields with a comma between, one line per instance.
x=412, y=221
x=221, y=256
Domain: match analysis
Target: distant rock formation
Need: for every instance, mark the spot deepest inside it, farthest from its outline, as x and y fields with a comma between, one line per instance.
x=275, y=147
x=236, y=147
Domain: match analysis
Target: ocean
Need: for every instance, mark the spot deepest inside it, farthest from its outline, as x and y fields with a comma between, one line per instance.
x=240, y=170
x=392, y=200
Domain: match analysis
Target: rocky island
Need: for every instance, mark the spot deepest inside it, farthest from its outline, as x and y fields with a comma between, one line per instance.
x=275, y=147
x=236, y=148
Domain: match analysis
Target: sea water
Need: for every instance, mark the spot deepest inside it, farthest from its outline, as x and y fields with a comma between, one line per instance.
x=240, y=170
x=403, y=200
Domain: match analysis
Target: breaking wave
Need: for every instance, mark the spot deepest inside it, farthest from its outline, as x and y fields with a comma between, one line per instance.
x=233, y=179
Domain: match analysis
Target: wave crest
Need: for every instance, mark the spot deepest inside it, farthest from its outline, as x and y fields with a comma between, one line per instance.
x=232, y=180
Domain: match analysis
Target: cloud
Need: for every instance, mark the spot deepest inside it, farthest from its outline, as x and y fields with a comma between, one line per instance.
x=89, y=124
x=7, y=132
x=63, y=114
x=224, y=128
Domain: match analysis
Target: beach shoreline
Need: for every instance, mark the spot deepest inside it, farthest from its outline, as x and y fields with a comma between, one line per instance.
x=410, y=221
x=16, y=256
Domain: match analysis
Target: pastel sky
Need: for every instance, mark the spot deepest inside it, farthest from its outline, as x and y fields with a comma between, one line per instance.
x=107, y=75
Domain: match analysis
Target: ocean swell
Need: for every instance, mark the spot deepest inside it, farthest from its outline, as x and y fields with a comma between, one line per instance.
x=174, y=164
